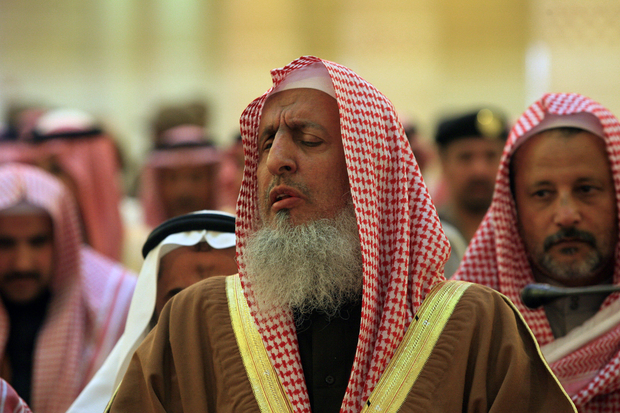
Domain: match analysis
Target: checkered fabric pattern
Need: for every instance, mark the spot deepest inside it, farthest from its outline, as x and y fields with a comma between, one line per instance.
x=90, y=295
x=403, y=246
x=92, y=164
x=10, y=402
x=496, y=257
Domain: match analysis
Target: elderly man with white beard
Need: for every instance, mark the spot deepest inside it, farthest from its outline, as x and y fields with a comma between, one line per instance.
x=340, y=304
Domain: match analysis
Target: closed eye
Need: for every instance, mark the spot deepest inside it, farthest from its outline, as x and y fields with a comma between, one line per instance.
x=267, y=143
x=311, y=144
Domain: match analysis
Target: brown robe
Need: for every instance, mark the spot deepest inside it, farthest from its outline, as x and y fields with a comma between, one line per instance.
x=485, y=360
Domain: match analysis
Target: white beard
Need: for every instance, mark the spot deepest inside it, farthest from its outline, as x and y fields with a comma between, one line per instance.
x=314, y=266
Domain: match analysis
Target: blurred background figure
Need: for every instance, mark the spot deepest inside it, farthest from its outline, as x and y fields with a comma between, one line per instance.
x=71, y=145
x=470, y=147
x=230, y=175
x=180, y=173
x=178, y=253
x=424, y=151
x=63, y=305
x=21, y=121
x=426, y=155
x=186, y=257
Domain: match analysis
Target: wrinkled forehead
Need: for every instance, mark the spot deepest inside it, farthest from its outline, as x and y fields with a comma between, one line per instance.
x=311, y=77
x=196, y=252
x=296, y=107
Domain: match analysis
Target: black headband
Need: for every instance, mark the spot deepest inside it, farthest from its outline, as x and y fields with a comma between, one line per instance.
x=91, y=133
x=190, y=222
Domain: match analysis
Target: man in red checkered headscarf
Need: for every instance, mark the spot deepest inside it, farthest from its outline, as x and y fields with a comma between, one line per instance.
x=69, y=144
x=554, y=220
x=340, y=303
x=62, y=305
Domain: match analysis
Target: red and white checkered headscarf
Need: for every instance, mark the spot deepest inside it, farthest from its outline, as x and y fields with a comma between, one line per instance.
x=496, y=256
x=403, y=246
x=90, y=295
x=10, y=402
x=92, y=163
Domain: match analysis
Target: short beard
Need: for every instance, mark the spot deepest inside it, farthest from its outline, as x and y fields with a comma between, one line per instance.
x=577, y=269
x=308, y=267
x=570, y=272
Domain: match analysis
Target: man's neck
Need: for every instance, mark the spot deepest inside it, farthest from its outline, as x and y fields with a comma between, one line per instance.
x=566, y=313
x=25, y=321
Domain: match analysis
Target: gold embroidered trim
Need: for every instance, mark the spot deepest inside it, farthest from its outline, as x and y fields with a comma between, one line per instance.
x=265, y=383
x=417, y=345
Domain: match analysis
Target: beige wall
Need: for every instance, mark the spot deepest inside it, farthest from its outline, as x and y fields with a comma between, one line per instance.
x=582, y=45
x=120, y=58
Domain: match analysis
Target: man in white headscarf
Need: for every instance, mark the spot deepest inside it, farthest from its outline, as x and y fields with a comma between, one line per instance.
x=62, y=305
x=340, y=303
x=554, y=220
x=178, y=253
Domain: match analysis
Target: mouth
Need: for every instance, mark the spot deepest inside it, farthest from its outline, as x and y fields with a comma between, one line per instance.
x=20, y=277
x=570, y=241
x=282, y=197
x=569, y=246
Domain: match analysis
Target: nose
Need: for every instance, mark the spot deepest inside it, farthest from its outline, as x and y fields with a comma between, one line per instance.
x=183, y=185
x=25, y=258
x=567, y=213
x=281, y=159
x=484, y=168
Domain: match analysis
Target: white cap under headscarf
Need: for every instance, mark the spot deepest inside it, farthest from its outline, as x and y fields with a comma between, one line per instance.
x=314, y=76
x=100, y=389
x=580, y=120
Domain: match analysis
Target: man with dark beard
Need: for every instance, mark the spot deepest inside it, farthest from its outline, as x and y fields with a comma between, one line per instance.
x=470, y=146
x=554, y=220
x=340, y=304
